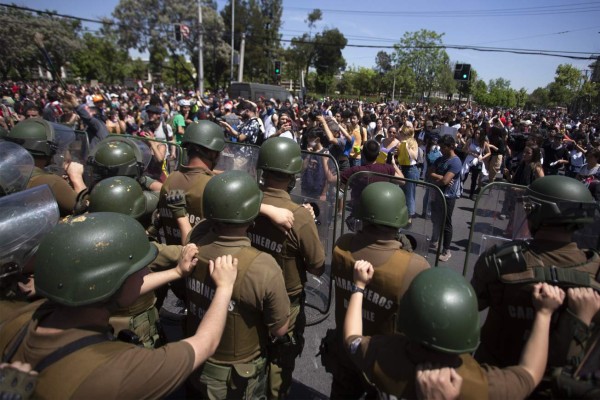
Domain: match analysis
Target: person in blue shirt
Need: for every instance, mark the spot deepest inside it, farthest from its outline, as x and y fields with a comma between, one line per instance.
x=445, y=173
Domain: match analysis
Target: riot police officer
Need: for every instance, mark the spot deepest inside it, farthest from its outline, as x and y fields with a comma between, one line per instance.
x=382, y=208
x=439, y=318
x=124, y=195
x=556, y=207
x=86, y=267
x=120, y=156
x=203, y=142
x=38, y=137
x=298, y=251
x=259, y=308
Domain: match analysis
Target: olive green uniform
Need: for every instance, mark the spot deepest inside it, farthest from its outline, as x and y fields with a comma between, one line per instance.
x=394, y=271
x=106, y=370
x=259, y=303
x=63, y=193
x=295, y=252
x=192, y=180
x=511, y=312
x=389, y=362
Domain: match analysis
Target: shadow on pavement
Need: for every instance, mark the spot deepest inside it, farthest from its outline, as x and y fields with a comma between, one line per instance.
x=300, y=391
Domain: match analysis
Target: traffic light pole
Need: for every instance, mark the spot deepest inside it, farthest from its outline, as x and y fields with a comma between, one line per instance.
x=200, y=50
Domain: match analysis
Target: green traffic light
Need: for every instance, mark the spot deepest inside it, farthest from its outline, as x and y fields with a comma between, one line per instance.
x=464, y=76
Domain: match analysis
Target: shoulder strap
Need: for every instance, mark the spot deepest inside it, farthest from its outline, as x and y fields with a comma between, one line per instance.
x=14, y=329
x=246, y=257
x=511, y=268
x=73, y=369
x=72, y=347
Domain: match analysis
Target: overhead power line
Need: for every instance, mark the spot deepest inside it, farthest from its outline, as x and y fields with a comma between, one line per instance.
x=573, y=8
x=551, y=53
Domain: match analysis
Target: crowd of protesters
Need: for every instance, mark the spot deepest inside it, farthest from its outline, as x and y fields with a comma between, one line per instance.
x=490, y=144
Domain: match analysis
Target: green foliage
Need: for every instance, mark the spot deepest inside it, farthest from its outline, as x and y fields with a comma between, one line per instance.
x=260, y=20
x=420, y=52
x=322, y=51
x=148, y=25
x=19, y=56
x=565, y=86
x=100, y=58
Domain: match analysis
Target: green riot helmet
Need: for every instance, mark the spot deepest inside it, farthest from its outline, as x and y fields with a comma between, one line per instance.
x=206, y=134
x=383, y=203
x=120, y=194
x=439, y=311
x=558, y=200
x=116, y=156
x=232, y=197
x=280, y=155
x=85, y=259
x=36, y=135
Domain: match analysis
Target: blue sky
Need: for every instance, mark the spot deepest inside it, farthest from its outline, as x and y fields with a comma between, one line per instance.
x=556, y=25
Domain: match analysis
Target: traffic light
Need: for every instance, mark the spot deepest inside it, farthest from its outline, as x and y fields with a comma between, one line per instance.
x=462, y=72
x=177, y=29
x=277, y=67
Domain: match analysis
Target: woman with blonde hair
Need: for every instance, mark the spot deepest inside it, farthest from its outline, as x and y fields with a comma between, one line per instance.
x=408, y=151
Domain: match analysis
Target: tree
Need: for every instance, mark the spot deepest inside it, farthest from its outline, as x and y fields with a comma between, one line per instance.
x=322, y=52
x=100, y=58
x=421, y=52
x=365, y=81
x=149, y=25
x=383, y=62
x=328, y=51
x=566, y=84
x=260, y=20
x=539, y=98
x=479, y=91
x=18, y=52
x=521, y=97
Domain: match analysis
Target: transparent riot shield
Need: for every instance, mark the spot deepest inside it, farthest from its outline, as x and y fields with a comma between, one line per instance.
x=426, y=229
x=79, y=149
x=25, y=217
x=16, y=166
x=589, y=236
x=239, y=157
x=498, y=217
x=152, y=151
x=318, y=185
x=64, y=137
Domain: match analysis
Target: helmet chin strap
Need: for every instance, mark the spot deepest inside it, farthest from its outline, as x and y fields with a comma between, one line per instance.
x=291, y=183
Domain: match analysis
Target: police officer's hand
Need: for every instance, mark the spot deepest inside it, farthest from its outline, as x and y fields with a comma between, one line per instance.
x=281, y=217
x=27, y=288
x=363, y=273
x=310, y=209
x=17, y=381
x=438, y=383
x=176, y=203
x=584, y=303
x=223, y=270
x=187, y=259
x=547, y=298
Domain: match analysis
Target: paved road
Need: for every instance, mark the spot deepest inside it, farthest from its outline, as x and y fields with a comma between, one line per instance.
x=310, y=379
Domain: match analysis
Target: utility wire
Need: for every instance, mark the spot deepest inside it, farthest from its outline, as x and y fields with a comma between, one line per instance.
x=551, y=53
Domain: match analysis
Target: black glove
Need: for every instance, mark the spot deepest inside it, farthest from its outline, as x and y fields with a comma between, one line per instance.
x=176, y=203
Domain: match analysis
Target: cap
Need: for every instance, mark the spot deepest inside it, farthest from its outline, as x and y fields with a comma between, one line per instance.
x=228, y=105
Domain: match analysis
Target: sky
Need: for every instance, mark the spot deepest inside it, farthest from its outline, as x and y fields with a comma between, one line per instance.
x=548, y=25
